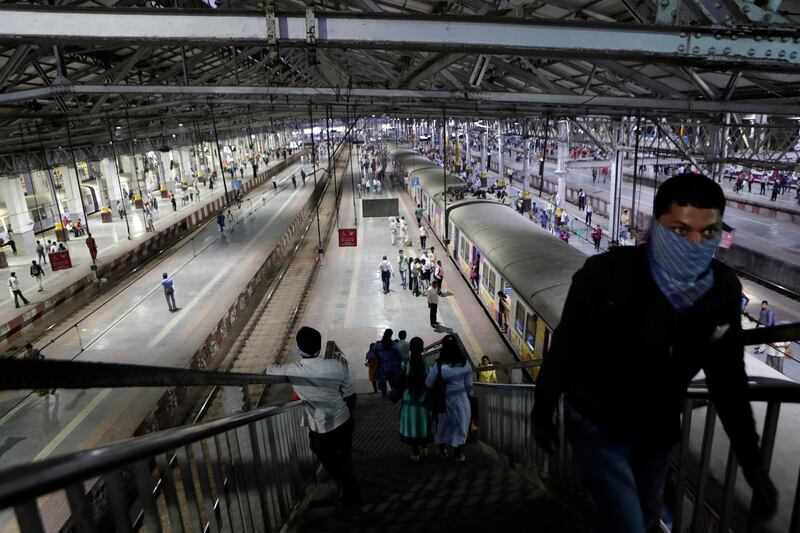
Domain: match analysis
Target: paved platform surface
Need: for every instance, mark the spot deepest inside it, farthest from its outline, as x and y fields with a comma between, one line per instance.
x=137, y=327
x=481, y=494
x=112, y=241
x=347, y=303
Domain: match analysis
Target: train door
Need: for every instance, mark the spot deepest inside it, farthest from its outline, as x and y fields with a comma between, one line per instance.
x=457, y=241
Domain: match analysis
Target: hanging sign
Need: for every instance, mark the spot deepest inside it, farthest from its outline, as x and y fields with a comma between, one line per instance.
x=348, y=237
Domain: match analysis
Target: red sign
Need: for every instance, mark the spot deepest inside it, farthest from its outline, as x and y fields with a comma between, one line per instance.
x=348, y=237
x=60, y=261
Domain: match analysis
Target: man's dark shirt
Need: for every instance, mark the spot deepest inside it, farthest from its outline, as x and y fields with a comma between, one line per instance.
x=623, y=356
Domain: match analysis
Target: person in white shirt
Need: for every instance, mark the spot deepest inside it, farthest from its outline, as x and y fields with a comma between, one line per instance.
x=393, y=230
x=433, y=303
x=403, y=229
x=326, y=390
x=13, y=288
x=387, y=271
x=423, y=236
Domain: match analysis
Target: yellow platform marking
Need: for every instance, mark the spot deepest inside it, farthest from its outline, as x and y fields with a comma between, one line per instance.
x=69, y=428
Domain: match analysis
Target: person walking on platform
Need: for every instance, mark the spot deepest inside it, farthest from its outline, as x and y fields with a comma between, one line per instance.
x=588, y=218
x=622, y=411
x=415, y=419
x=303, y=176
x=169, y=292
x=766, y=318
x=402, y=267
x=13, y=288
x=581, y=200
x=41, y=253
x=91, y=244
x=452, y=426
x=432, y=295
x=438, y=274
x=37, y=273
x=120, y=210
x=415, y=273
x=393, y=230
x=597, y=236
x=387, y=272
x=403, y=228
x=174, y=203
x=423, y=236
x=325, y=387
x=294, y=180
x=221, y=221
x=372, y=362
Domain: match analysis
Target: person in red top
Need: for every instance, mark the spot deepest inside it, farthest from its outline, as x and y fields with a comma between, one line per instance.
x=92, y=246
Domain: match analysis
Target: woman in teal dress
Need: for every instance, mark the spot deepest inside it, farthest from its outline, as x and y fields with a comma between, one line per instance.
x=415, y=419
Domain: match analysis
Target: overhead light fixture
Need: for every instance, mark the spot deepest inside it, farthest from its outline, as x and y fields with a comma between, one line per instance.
x=180, y=124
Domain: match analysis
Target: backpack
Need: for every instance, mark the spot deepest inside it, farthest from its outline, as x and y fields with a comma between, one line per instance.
x=36, y=270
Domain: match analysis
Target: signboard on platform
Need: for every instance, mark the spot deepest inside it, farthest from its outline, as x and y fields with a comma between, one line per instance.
x=415, y=182
x=59, y=261
x=348, y=237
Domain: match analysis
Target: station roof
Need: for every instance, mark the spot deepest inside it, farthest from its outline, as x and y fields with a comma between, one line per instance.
x=151, y=65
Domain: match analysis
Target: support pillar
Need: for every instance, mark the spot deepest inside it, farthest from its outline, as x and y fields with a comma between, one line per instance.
x=167, y=173
x=469, y=148
x=500, y=168
x=112, y=185
x=617, y=161
x=526, y=176
x=19, y=218
x=71, y=190
x=563, y=155
x=484, y=142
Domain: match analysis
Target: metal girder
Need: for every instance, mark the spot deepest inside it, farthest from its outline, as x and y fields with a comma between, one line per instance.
x=328, y=93
x=758, y=46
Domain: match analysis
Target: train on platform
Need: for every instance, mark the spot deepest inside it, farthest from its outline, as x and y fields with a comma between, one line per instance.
x=529, y=266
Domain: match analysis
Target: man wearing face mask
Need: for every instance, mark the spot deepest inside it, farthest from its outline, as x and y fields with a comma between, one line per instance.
x=681, y=311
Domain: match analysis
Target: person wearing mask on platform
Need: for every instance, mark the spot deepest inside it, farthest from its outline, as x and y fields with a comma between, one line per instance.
x=325, y=387
x=622, y=410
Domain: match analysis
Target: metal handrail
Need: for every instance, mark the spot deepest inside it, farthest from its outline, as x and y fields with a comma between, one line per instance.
x=21, y=483
x=24, y=374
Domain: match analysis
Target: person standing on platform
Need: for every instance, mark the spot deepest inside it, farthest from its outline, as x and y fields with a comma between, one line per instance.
x=581, y=200
x=37, y=273
x=230, y=219
x=418, y=214
x=169, y=292
x=174, y=203
x=120, y=210
x=588, y=218
x=294, y=181
x=393, y=230
x=487, y=376
x=415, y=419
x=622, y=411
x=438, y=274
x=91, y=244
x=41, y=253
x=403, y=227
x=387, y=272
x=423, y=236
x=766, y=318
x=402, y=345
x=433, y=303
x=13, y=288
x=221, y=221
x=325, y=387
x=303, y=176
x=414, y=274
x=52, y=247
x=402, y=267
x=452, y=426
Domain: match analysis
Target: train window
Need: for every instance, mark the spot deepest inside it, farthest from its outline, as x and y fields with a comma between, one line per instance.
x=484, y=274
x=464, y=249
x=519, y=317
x=530, y=331
x=492, y=282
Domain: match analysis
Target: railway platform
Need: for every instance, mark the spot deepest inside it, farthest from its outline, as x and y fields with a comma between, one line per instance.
x=214, y=276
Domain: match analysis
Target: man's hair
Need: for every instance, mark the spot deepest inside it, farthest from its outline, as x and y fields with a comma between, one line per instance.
x=309, y=340
x=764, y=302
x=691, y=189
x=402, y=334
x=164, y=275
x=29, y=345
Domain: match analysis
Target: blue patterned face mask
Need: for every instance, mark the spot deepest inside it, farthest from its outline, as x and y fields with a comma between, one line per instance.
x=680, y=268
